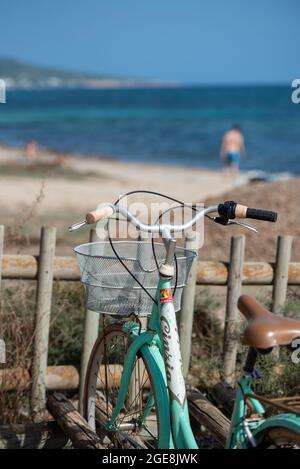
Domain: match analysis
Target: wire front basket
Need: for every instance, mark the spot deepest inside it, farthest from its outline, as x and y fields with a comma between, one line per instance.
x=111, y=289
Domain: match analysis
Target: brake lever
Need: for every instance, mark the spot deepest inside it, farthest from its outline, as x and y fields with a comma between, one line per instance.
x=225, y=222
x=78, y=225
x=244, y=225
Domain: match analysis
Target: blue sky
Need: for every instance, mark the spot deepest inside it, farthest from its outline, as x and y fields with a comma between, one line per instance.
x=193, y=41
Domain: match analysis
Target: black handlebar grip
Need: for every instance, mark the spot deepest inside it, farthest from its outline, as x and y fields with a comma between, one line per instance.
x=257, y=214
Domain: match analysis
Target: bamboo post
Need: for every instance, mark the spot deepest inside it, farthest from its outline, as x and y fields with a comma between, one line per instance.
x=90, y=334
x=1, y=252
x=138, y=377
x=283, y=256
x=187, y=307
x=2, y=343
x=235, y=275
x=42, y=322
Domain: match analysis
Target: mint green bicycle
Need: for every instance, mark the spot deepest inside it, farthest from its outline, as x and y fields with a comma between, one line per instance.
x=135, y=390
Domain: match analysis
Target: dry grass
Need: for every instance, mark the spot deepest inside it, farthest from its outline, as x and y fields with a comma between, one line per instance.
x=280, y=375
x=17, y=329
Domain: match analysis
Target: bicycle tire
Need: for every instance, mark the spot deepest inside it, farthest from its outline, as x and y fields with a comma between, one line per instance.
x=279, y=438
x=98, y=405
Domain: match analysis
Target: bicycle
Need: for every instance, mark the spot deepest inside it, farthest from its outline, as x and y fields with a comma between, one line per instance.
x=134, y=387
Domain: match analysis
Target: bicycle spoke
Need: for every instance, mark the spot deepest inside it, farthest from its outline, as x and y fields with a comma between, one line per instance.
x=135, y=418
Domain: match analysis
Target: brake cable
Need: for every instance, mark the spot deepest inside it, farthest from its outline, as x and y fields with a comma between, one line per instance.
x=180, y=204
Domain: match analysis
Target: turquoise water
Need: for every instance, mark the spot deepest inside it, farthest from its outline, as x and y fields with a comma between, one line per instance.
x=179, y=125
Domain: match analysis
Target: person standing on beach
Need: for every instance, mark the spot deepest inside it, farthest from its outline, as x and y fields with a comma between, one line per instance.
x=232, y=150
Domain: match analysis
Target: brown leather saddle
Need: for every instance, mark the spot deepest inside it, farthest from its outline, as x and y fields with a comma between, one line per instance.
x=265, y=329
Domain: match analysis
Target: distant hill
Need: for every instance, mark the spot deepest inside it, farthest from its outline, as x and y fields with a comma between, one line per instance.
x=22, y=75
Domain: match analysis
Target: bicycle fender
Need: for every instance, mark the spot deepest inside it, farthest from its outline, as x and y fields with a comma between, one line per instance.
x=288, y=421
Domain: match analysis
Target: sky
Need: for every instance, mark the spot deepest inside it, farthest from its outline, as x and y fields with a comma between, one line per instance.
x=190, y=41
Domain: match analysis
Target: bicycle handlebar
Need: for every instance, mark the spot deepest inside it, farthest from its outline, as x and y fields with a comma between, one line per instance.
x=231, y=210
x=108, y=210
x=228, y=210
x=99, y=214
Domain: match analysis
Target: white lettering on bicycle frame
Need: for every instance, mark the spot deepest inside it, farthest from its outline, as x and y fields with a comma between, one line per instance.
x=172, y=354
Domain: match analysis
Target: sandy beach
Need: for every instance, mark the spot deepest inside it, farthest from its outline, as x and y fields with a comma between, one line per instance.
x=43, y=192
x=102, y=180
x=62, y=194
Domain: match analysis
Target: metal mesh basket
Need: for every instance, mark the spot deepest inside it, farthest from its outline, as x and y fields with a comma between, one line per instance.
x=110, y=289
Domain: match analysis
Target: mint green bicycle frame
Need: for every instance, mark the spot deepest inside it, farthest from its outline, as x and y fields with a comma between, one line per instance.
x=245, y=434
x=159, y=346
x=176, y=432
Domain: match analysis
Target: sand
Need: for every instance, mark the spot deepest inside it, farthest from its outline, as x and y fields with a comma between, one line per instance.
x=65, y=199
x=35, y=194
x=281, y=196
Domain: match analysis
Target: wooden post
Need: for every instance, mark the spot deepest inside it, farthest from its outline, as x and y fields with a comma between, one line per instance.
x=1, y=253
x=134, y=396
x=187, y=307
x=235, y=275
x=42, y=322
x=90, y=334
x=283, y=256
x=2, y=343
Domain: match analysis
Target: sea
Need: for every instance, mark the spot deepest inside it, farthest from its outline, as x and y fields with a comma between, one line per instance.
x=179, y=125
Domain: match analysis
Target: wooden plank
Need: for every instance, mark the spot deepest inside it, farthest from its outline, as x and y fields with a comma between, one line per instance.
x=257, y=273
x=17, y=266
x=212, y=273
x=254, y=273
x=204, y=413
x=208, y=272
x=283, y=256
x=14, y=378
x=45, y=435
x=294, y=273
x=42, y=322
x=72, y=423
x=187, y=308
x=235, y=276
x=58, y=378
x=65, y=268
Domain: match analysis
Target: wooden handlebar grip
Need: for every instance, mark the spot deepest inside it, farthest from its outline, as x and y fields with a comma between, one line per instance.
x=99, y=214
x=241, y=211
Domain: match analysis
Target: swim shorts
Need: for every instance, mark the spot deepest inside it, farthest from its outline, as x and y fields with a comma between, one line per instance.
x=233, y=157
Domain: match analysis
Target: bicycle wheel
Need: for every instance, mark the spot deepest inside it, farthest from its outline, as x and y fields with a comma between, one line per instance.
x=138, y=423
x=279, y=438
